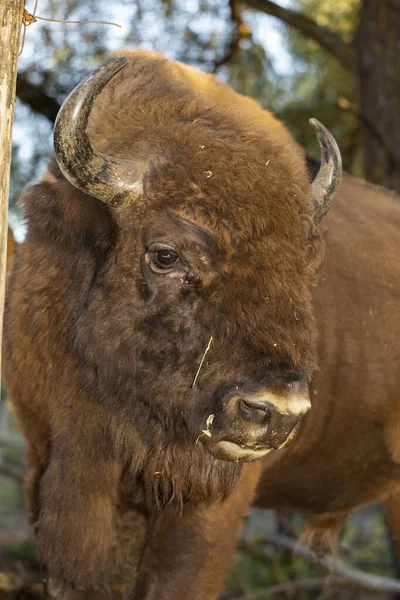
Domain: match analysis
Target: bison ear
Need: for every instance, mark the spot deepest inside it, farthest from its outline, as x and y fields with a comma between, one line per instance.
x=58, y=214
x=327, y=181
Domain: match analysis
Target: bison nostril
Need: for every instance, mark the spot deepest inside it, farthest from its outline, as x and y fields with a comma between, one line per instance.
x=255, y=411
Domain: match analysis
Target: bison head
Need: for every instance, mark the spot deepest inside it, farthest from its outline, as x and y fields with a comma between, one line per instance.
x=197, y=327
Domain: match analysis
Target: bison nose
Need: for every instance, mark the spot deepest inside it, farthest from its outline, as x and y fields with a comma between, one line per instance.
x=275, y=413
x=262, y=407
x=255, y=411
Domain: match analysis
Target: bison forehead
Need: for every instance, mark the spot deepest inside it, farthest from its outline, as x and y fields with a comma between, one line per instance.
x=234, y=190
x=202, y=151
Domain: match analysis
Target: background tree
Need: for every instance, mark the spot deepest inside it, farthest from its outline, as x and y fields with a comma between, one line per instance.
x=10, y=16
x=369, y=54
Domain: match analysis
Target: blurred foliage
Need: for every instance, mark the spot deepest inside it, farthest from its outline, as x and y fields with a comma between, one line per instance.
x=339, y=15
x=320, y=85
x=363, y=545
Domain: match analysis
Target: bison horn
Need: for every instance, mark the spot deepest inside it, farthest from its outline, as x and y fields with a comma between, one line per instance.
x=113, y=180
x=326, y=184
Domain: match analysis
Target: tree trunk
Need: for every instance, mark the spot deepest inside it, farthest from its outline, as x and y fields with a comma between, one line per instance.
x=377, y=45
x=10, y=25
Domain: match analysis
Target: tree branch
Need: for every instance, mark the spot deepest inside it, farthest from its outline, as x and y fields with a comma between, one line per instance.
x=327, y=39
x=240, y=30
x=35, y=96
x=334, y=565
x=290, y=587
x=5, y=472
x=380, y=138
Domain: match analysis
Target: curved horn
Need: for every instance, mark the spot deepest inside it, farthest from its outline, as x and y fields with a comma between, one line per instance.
x=326, y=183
x=113, y=180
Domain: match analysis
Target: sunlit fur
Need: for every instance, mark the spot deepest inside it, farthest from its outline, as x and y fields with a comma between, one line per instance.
x=100, y=356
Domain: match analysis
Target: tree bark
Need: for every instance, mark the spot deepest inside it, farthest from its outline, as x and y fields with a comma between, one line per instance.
x=374, y=61
x=377, y=46
x=36, y=97
x=10, y=26
x=326, y=38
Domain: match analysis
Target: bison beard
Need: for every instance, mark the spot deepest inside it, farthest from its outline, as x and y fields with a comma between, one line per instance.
x=185, y=213
x=180, y=473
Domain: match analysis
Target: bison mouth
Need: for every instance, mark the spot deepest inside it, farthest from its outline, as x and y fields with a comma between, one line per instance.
x=248, y=424
x=241, y=452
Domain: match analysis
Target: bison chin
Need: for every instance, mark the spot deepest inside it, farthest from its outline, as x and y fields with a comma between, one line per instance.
x=184, y=472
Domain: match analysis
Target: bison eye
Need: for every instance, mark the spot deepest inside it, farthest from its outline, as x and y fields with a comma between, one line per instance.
x=166, y=258
x=162, y=260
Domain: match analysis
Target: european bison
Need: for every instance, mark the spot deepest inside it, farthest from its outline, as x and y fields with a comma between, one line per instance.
x=159, y=333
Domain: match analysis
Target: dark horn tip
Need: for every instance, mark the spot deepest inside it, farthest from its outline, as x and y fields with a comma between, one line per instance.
x=326, y=184
x=89, y=88
x=104, y=74
x=323, y=134
x=314, y=122
x=321, y=130
x=116, y=63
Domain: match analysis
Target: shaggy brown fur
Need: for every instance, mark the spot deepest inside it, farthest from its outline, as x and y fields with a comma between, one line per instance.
x=347, y=453
x=100, y=354
x=10, y=248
